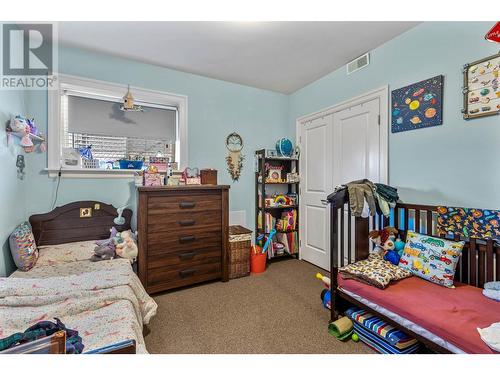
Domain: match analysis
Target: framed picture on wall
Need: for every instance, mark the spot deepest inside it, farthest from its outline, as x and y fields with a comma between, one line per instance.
x=417, y=106
x=481, y=90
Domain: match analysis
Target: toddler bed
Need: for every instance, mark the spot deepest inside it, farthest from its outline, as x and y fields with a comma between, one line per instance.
x=104, y=301
x=443, y=319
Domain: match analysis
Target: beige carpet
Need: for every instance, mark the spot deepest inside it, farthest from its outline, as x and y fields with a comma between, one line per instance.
x=278, y=311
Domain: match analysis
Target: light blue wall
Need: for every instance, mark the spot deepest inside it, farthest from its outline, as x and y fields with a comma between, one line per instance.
x=455, y=163
x=12, y=189
x=215, y=109
x=450, y=164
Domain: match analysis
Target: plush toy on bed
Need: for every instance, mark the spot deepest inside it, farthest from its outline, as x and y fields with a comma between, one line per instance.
x=105, y=249
x=386, y=243
x=126, y=246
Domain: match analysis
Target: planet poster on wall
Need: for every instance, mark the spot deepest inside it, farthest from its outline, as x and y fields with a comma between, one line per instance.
x=417, y=106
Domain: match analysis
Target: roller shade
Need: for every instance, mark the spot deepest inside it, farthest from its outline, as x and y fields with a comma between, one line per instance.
x=102, y=117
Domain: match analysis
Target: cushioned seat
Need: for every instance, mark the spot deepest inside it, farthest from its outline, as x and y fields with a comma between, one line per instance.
x=452, y=314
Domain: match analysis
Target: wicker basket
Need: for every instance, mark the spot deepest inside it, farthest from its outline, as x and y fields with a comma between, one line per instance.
x=240, y=241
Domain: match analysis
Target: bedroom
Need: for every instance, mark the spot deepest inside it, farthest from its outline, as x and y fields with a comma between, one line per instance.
x=182, y=131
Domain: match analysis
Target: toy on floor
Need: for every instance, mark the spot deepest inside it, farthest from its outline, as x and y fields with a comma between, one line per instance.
x=385, y=243
x=492, y=290
x=341, y=329
x=326, y=296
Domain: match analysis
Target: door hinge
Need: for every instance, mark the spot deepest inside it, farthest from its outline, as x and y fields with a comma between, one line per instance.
x=378, y=119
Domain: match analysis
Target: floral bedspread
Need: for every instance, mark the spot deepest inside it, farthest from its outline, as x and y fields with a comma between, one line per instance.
x=104, y=301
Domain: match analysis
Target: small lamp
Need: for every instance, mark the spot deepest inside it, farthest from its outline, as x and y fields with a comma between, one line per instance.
x=120, y=220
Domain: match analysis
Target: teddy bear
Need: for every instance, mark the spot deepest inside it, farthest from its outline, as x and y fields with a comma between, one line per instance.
x=125, y=246
x=386, y=244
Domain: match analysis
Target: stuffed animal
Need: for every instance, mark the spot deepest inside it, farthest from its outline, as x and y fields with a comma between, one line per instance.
x=105, y=249
x=385, y=243
x=103, y=252
x=126, y=246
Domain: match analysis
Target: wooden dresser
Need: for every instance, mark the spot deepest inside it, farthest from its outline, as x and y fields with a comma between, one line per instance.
x=183, y=235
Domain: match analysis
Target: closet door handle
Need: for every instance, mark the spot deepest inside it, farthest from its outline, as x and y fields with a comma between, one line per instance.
x=187, y=204
x=185, y=239
x=186, y=273
x=186, y=223
x=325, y=202
x=186, y=256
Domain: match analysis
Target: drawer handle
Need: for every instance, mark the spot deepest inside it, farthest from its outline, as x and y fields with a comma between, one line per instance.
x=186, y=256
x=186, y=223
x=185, y=239
x=186, y=273
x=187, y=204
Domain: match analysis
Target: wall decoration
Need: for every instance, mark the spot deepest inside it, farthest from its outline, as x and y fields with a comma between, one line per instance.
x=234, y=144
x=27, y=131
x=481, y=90
x=494, y=34
x=417, y=106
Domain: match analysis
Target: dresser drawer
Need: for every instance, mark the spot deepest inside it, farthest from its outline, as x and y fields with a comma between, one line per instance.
x=184, y=275
x=185, y=258
x=161, y=205
x=181, y=221
x=186, y=239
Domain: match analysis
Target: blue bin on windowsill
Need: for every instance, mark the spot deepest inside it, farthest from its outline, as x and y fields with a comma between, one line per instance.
x=131, y=164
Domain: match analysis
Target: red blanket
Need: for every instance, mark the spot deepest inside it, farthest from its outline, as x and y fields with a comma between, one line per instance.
x=452, y=314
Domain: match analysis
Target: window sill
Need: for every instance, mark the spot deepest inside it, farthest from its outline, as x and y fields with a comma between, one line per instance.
x=92, y=173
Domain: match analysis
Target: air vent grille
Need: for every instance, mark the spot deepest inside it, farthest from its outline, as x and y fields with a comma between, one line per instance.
x=358, y=63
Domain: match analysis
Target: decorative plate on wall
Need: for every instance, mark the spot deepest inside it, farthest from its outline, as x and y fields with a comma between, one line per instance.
x=417, y=106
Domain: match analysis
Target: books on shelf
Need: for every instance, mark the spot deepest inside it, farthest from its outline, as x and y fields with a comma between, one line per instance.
x=270, y=222
x=286, y=239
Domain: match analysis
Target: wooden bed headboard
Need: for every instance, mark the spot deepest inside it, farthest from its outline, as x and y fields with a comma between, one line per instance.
x=77, y=221
x=479, y=263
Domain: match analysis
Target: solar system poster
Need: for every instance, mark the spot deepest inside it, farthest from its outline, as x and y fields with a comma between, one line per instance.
x=417, y=106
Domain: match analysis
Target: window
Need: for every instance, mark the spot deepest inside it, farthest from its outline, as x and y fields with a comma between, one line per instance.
x=87, y=113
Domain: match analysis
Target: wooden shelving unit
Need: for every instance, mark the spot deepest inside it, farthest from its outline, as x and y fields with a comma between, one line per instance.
x=289, y=165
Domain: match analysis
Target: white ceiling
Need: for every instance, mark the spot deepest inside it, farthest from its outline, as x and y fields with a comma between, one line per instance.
x=278, y=56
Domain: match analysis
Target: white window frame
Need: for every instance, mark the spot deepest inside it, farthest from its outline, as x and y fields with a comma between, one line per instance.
x=113, y=91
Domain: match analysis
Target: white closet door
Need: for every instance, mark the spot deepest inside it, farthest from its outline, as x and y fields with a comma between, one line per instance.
x=335, y=149
x=357, y=143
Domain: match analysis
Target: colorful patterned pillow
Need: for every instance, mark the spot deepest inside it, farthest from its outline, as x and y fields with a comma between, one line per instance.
x=431, y=258
x=23, y=247
x=374, y=271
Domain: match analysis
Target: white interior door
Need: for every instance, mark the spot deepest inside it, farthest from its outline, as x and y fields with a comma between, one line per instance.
x=356, y=140
x=340, y=147
x=316, y=184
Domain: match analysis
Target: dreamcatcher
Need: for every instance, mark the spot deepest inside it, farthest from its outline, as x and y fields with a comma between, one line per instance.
x=234, y=160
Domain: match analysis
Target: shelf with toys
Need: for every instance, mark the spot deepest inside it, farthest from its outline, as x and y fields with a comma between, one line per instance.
x=277, y=202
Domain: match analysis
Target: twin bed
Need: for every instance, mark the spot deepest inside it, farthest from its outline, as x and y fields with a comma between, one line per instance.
x=444, y=319
x=104, y=301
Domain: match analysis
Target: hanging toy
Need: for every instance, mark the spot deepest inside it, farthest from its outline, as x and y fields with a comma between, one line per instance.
x=86, y=152
x=26, y=141
x=18, y=124
x=234, y=160
x=42, y=147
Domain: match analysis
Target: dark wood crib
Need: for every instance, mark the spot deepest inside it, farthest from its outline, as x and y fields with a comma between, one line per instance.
x=479, y=263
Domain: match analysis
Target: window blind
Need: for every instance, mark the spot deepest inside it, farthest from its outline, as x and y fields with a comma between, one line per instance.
x=103, y=117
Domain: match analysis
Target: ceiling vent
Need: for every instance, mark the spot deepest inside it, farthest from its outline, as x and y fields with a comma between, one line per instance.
x=358, y=63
